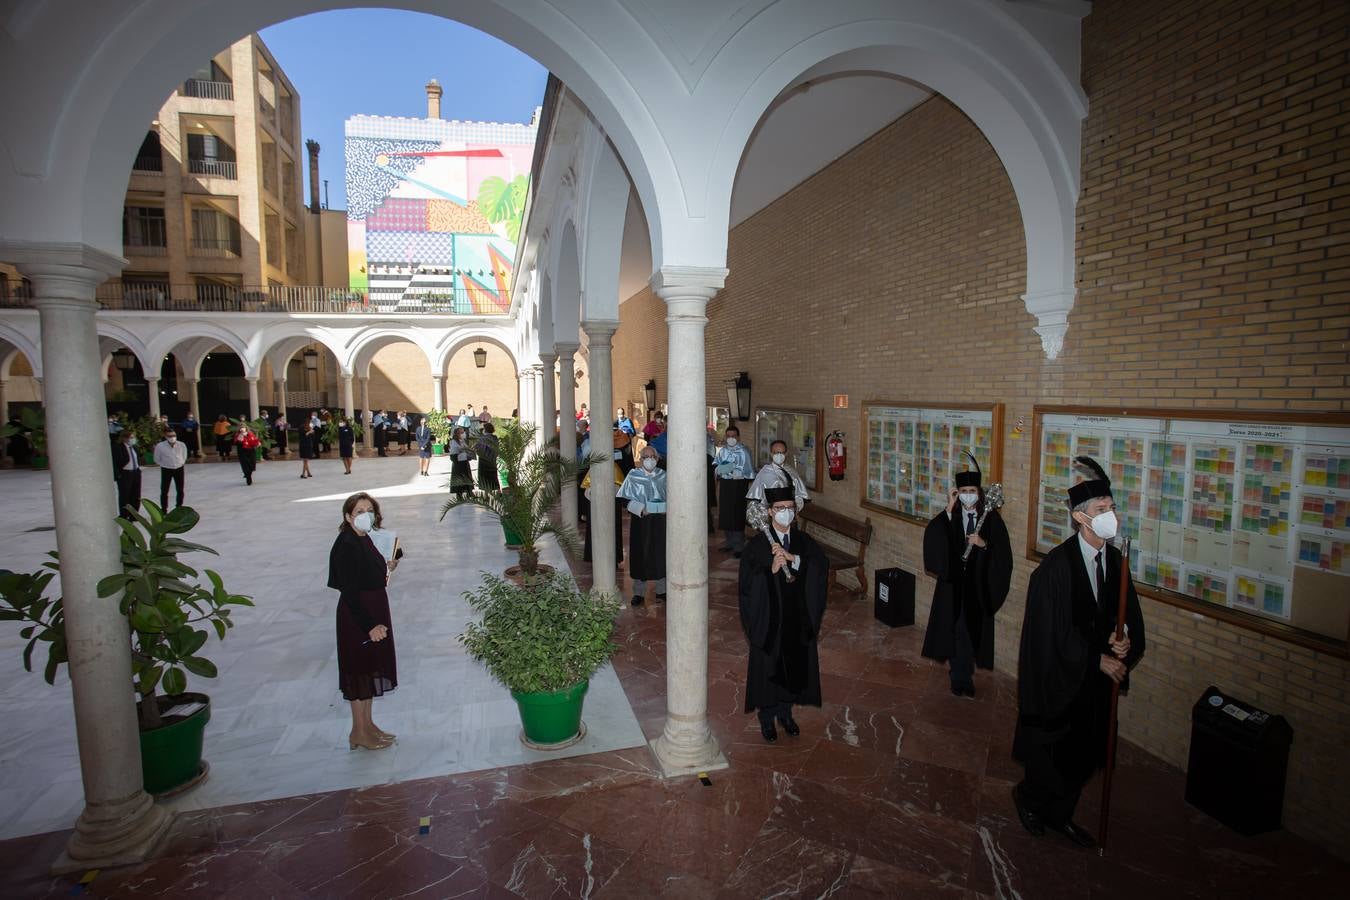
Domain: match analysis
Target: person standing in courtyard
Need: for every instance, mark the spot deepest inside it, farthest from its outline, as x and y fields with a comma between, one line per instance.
x=346, y=444
x=487, y=446
x=424, y=441
x=191, y=429
x=221, y=430
x=968, y=590
x=734, y=474
x=281, y=433
x=127, y=472
x=645, y=490
x=461, y=475
x=171, y=457
x=367, y=662
x=1070, y=658
x=309, y=449
x=783, y=581
x=248, y=444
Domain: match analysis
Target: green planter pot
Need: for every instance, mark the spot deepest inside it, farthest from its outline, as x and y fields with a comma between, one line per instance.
x=38, y=462
x=171, y=755
x=513, y=539
x=437, y=449
x=552, y=718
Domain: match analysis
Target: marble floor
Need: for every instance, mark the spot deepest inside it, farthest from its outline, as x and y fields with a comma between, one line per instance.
x=278, y=724
x=895, y=788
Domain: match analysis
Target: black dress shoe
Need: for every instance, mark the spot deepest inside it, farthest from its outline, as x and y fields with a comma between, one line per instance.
x=767, y=729
x=968, y=690
x=791, y=726
x=1076, y=834
x=637, y=601
x=1030, y=821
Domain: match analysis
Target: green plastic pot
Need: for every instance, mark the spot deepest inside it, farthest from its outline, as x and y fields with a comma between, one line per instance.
x=171, y=755
x=513, y=538
x=38, y=462
x=437, y=449
x=552, y=718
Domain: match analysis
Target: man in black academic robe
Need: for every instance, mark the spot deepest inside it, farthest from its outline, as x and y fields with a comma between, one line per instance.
x=968, y=592
x=781, y=617
x=1068, y=661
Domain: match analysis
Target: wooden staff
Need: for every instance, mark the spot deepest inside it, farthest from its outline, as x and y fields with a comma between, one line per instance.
x=1115, y=701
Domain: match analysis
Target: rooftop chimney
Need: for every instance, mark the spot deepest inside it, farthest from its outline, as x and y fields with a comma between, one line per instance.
x=313, y=147
x=433, y=99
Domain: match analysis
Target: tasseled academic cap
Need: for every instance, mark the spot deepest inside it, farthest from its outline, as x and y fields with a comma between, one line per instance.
x=1095, y=483
x=779, y=495
x=969, y=478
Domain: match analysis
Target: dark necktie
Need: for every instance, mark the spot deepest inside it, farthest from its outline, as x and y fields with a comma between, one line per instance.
x=970, y=523
x=1101, y=578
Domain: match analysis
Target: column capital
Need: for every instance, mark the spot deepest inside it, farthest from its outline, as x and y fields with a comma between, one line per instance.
x=688, y=281
x=150, y=377
x=346, y=376
x=62, y=273
x=599, y=332
x=192, y=381
x=1051, y=309
x=251, y=379
x=566, y=350
x=546, y=358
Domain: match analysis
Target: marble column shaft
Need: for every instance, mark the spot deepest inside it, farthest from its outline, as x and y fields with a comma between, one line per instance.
x=279, y=395
x=194, y=403
x=4, y=415
x=348, y=401
x=119, y=822
x=567, y=430
x=600, y=336
x=686, y=743
x=253, y=405
x=152, y=384
x=367, y=439
x=437, y=392
x=548, y=411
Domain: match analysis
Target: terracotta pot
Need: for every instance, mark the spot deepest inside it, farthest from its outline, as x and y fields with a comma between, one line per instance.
x=516, y=576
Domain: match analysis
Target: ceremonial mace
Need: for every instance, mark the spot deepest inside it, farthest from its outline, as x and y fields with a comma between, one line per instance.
x=758, y=517
x=993, y=499
x=1115, y=701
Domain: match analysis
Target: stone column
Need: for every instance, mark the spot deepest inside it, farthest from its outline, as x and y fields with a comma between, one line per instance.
x=4, y=419
x=152, y=383
x=527, y=395
x=567, y=430
x=367, y=439
x=547, y=405
x=252, y=396
x=120, y=823
x=348, y=402
x=438, y=392
x=599, y=336
x=686, y=744
x=279, y=395
x=193, y=403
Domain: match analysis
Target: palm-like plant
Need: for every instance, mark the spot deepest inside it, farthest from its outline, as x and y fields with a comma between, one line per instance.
x=534, y=482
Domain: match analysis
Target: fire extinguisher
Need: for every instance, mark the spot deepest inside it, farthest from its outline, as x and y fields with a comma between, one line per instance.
x=837, y=455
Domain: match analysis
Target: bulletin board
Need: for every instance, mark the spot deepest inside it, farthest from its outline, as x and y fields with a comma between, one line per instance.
x=800, y=430
x=1243, y=516
x=911, y=451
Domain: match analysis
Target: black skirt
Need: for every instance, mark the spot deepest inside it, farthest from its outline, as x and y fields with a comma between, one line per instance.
x=731, y=503
x=366, y=668
x=647, y=547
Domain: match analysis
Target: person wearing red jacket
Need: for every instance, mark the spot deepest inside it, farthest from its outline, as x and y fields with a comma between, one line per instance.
x=248, y=445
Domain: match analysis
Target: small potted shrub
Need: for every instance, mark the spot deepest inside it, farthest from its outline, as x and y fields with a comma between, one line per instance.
x=32, y=427
x=533, y=478
x=439, y=423
x=167, y=610
x=149, y=431
x=543, y=639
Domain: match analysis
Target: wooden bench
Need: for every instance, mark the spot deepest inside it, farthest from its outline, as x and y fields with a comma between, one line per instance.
x=845, y=526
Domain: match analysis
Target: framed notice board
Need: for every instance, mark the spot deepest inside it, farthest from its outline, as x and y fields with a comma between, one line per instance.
x=910, y=452
x=800, y=430
x=1245, y=517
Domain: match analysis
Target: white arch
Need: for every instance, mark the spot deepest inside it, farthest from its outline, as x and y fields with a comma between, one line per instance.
x=21, y=344
x=453, y=340
x=124, y=337
x=566, y=287
x=362, y=346
x=269, y=342
x=164, y=343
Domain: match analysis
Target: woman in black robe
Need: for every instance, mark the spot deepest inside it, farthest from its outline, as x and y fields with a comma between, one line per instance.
x=461, y=475
x=346, y=444
x=367, y=664
x=488, y=479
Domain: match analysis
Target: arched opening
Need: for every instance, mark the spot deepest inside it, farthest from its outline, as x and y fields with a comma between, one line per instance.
x=491, y=385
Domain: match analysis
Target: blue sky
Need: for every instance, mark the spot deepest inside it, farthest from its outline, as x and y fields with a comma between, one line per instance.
x=376, y=62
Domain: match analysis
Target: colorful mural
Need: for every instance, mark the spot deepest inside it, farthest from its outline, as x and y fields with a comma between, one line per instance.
x=434, y=210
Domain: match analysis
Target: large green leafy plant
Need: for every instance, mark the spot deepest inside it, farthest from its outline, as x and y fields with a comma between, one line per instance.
x=534, y=477
x=501, y=201
x=439, y=423
x=541, y=636
x=165, y=606
x=32, y=425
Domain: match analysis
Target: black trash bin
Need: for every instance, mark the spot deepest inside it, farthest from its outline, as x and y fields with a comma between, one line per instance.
x=1239, y=757
x=894, y=597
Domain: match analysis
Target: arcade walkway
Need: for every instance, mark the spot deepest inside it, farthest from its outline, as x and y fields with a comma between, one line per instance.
x=894, y=789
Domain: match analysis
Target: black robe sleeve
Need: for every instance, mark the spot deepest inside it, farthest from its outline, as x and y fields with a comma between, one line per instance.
x=344, y=576
x=998, y=574
x=759, y=616
x=815, y=569
x=1055, y=655
x=936, y=552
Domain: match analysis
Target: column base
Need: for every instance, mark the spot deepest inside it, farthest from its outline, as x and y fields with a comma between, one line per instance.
x=678, y=761
x=119, y=834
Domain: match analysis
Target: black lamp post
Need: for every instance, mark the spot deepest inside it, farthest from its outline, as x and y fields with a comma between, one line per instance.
x=649, y=394
x=480, y=358
x=738, y=397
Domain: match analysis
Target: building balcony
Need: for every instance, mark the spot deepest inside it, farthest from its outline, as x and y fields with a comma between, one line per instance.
x=145, y=250
x=211, y=247
x=148, y=164
x=208, y=90
x=216, y=168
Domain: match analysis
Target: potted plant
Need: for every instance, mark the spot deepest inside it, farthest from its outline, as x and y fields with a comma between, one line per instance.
x=533, y=483
x=543, y=640
x=259, y=426
x=168, y=610
x=439, y=423
x=32, y=427
x=329, y=431
x=149, y=432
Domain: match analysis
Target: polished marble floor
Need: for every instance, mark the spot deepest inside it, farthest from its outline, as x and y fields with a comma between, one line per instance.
x=895, y=788
x=278, y=723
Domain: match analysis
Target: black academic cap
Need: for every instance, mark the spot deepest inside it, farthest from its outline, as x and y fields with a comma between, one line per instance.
x=778, y=495
x=1095, y=483
x=969, y=478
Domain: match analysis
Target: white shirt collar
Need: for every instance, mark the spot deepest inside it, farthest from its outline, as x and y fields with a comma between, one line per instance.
x=1090, y=560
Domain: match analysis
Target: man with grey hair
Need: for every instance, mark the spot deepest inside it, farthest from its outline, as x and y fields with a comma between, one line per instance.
x=1069, y=660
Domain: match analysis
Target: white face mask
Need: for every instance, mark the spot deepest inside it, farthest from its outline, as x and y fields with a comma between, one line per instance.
x=778, y=458
x=969, y=500
x=648, y=463
x=364, y=521
x=1104, y=525
x=172, y=440
x=783, y=516
x=732, y=442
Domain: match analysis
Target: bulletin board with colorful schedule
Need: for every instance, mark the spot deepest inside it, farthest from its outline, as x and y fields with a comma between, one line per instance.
x=911, y=452
x=1248, y=515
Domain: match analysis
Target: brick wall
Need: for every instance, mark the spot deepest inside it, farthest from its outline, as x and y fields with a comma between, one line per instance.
x=1213, y=272
x=400, y=378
